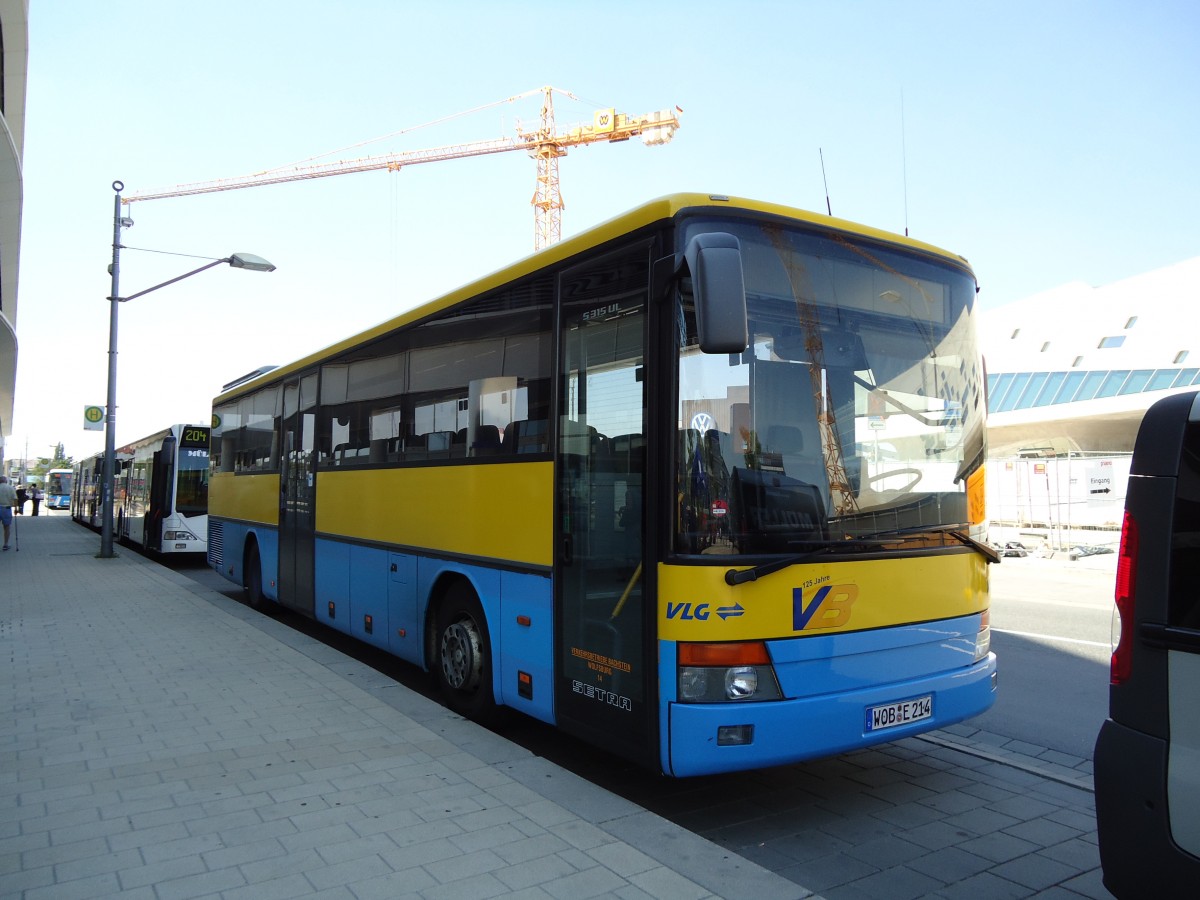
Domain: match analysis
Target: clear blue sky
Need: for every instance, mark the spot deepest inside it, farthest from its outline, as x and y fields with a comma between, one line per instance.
x=1045, y=141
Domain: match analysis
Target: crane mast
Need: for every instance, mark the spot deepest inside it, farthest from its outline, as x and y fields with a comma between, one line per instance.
x=547, y=198
x=840, y=488
x=543, y=143
x=844, y=501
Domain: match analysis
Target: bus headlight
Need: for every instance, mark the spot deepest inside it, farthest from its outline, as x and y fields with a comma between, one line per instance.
x=715, y=673
x=178, y=536
x=741, y=682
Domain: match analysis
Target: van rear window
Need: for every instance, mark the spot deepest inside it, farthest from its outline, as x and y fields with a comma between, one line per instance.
x=1183, y=608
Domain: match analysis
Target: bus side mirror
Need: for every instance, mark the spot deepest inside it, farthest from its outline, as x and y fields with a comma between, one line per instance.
x=714, y=262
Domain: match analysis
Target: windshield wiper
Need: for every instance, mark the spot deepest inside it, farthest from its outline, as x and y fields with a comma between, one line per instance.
x=991, y=554
x=741, y=576
x=956, y=531
x=875, y=539
x=913, y=529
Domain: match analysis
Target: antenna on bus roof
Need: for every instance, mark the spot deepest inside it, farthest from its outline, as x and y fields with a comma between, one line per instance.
x=261, y=370
x=828, y=208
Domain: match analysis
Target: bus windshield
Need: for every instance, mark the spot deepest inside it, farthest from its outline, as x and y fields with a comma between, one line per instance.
x=58, y=482
x=856, y=411
x=191, y=498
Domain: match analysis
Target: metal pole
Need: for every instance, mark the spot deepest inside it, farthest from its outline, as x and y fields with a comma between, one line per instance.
x=110, y=412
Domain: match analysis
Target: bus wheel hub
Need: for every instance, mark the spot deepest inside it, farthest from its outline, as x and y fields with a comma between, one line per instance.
x=461, y=656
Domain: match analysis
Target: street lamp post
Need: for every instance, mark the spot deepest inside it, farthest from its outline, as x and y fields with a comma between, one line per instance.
x=237, y=260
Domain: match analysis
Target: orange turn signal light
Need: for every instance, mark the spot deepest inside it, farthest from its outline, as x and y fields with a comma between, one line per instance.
x=741, y=653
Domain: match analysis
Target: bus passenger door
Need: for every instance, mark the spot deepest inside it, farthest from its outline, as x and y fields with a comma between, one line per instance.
x=605, y=647
x=162, y=480
x=297, y=493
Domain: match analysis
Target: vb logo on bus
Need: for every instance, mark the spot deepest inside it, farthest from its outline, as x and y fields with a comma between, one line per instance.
x=828, y=608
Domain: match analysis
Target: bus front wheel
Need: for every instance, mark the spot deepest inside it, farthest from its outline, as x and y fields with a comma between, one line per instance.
x=462, y=665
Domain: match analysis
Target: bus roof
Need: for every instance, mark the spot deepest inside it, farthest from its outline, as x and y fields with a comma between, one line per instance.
x=157, y=437
x=661, y=209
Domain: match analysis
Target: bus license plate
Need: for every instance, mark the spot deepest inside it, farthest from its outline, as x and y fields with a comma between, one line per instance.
x=892, y=715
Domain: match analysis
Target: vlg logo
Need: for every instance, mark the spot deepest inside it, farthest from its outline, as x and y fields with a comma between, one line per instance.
x=701, y=611
x=828, y=608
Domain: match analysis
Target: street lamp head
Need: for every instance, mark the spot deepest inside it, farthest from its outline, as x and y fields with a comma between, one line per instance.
x=251, y=262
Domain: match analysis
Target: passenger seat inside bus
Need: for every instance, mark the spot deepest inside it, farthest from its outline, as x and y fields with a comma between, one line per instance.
x=487, y=441
x=526, y=436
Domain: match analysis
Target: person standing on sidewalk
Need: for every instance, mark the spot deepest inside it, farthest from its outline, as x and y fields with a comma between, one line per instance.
x=8, y=499
x=37, y=496
x=22, y=496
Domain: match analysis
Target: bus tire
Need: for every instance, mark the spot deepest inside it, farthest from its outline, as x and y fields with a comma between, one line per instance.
x=253, y=578
x=462, y=663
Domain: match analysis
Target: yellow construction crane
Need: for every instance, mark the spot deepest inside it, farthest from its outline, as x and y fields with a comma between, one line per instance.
x=543, y=144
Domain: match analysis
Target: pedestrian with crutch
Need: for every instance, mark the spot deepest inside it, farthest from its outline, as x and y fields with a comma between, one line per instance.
x=8, y=499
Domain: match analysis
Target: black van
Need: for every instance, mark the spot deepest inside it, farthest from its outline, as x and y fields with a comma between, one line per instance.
x=1147, y=760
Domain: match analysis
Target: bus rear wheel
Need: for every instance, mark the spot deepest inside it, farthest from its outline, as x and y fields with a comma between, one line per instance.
x=253, y=572
x=462, y=664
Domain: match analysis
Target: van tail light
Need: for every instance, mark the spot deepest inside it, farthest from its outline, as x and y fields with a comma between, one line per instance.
x=1122, y=658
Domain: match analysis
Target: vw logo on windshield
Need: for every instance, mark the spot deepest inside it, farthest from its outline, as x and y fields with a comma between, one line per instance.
x=703, y=422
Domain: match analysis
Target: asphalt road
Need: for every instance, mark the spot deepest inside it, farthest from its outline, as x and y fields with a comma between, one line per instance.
x=1051, y=629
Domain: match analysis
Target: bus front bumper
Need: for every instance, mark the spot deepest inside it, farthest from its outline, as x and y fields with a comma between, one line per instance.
x=790, y=731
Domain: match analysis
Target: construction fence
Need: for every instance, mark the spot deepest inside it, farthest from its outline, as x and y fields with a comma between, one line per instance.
x=1058, y=502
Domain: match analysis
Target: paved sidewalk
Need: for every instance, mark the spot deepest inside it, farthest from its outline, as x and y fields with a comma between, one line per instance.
x=161, y=741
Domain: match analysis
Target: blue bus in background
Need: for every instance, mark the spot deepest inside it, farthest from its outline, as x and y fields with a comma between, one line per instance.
x=58, y=488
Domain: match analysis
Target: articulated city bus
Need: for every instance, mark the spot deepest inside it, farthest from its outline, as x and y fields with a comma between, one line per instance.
x=703, y=485
x=161, y=496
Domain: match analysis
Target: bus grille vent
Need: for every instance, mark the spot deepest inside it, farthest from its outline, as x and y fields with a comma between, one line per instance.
x=216, y=544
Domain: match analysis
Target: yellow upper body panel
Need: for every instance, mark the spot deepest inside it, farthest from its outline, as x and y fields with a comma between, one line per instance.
x=500, y=512
x=695, y=603
x=492, y=512
x=246, y=498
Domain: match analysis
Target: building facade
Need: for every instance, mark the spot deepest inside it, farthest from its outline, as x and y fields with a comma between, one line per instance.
x=1075, y=369
x=1071, y=373
x=14, y=58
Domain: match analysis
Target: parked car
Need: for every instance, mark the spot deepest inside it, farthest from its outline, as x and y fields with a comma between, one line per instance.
x=1147, y=758
x=1080, y=551
x=1012, y=548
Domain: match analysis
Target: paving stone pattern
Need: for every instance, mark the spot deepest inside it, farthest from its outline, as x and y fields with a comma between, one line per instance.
x=163, y=741
x=158, y=744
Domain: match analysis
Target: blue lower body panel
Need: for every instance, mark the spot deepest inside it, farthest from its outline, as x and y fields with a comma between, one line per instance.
x=227, y=543
x=790, y=731
x=830, y=685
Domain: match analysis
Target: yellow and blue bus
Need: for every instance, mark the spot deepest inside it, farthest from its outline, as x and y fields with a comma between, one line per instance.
x=702, y=485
